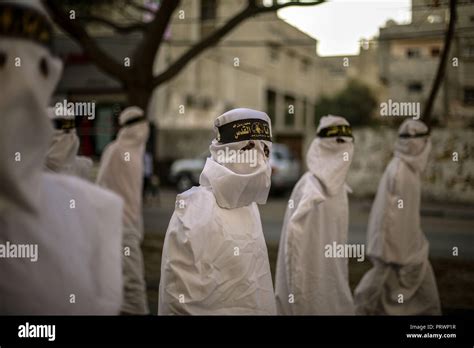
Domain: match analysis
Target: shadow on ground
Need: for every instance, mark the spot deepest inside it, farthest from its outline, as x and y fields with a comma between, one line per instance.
x=455, y=278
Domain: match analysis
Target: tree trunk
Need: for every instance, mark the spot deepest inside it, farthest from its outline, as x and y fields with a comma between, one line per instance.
x=140, y=95
x=442, y=64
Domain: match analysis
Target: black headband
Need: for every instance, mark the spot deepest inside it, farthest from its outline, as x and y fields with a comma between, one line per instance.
x=418, y=135
x=134, y=120
x=65, y=124
x=336, y=131
x=240, y=130
x=25, y=23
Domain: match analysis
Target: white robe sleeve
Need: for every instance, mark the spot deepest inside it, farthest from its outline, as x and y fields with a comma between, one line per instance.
x=83, y=167
x=178, y=281
x=214, y=260
x=295, y=226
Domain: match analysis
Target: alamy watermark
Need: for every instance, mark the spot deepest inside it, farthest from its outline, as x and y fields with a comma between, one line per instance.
x=76, y=109
x=19, y=251
x=237, y=156
x=405, y=109
x=28, y=330
x=336, y=250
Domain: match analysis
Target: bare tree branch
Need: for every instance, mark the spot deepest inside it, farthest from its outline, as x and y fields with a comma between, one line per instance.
x=148, y=48
x=121, y=29
x=250, y=10
x=448, y=38
x=90, y=47
x=126, y=15
x=276, y=6
x=140, y=7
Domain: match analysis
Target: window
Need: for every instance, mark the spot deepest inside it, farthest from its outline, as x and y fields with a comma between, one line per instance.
x=208, y=9
x=469, y=51
x=413, y=52
x=469, y=95
x=305, y=64
x=432, y=19
x=274, y=53
x=289, y=111
x=271, y=104
x=435, y=51
x=208, y=15
x=190, y=100
x=104, y=127
x=206, y=103
x=337, y=72
x=305, y=111
x=415, y=87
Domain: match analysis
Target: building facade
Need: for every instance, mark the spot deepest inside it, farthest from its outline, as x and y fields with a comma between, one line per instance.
x=264, y=64
x=409, y=56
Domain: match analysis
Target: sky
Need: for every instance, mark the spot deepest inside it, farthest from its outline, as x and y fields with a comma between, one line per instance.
x=339, y=25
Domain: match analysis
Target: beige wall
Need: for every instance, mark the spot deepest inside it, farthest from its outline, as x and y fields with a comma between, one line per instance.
x=225, y=77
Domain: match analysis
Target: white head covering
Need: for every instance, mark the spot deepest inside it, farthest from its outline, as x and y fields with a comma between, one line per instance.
x=62, y=151
x=326, y=157
x=125, y=177
x=135, y=133
x=396, y=244
x=394, y=234
x=414, y=146
x=239, y=184
x=77, y=248
x=129, y=114
x=26, y=88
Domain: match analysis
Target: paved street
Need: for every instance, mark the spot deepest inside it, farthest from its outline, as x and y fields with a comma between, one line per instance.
x=445, y=226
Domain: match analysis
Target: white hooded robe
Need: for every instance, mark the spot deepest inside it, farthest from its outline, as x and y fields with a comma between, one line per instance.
x=62, y=154
x=215, y=260
x=72, y=223
x=317, y=215
x=121, y=170
x=401, y=281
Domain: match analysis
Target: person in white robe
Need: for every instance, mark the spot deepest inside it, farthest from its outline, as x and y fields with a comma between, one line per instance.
x=401, y=281
x=62, y=153
x=59, y=247
x=307, y=281
x=215, y=260
x=121, y=170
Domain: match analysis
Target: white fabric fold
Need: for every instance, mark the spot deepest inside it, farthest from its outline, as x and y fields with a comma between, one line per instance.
x=396, y=244
x=72, y=223
x=215, y=260
x=317, y=215
x=326, y=158
x=121, y=170
x=237, y=185
x=62, y=155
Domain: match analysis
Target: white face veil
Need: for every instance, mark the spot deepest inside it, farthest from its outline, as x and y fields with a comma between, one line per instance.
x=29, y=88
x=77, y=249
x=329, y=157
x=63, y=149
x=239, y=171
x=413, y=145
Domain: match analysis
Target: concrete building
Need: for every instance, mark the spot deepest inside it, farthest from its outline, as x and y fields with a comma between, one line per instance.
x=409, y=56
x=269, y=65
x=264, y=64
x=337, y=71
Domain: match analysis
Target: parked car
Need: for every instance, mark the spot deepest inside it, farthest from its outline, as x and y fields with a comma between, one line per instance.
x=285, y=168
x=184, y=173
